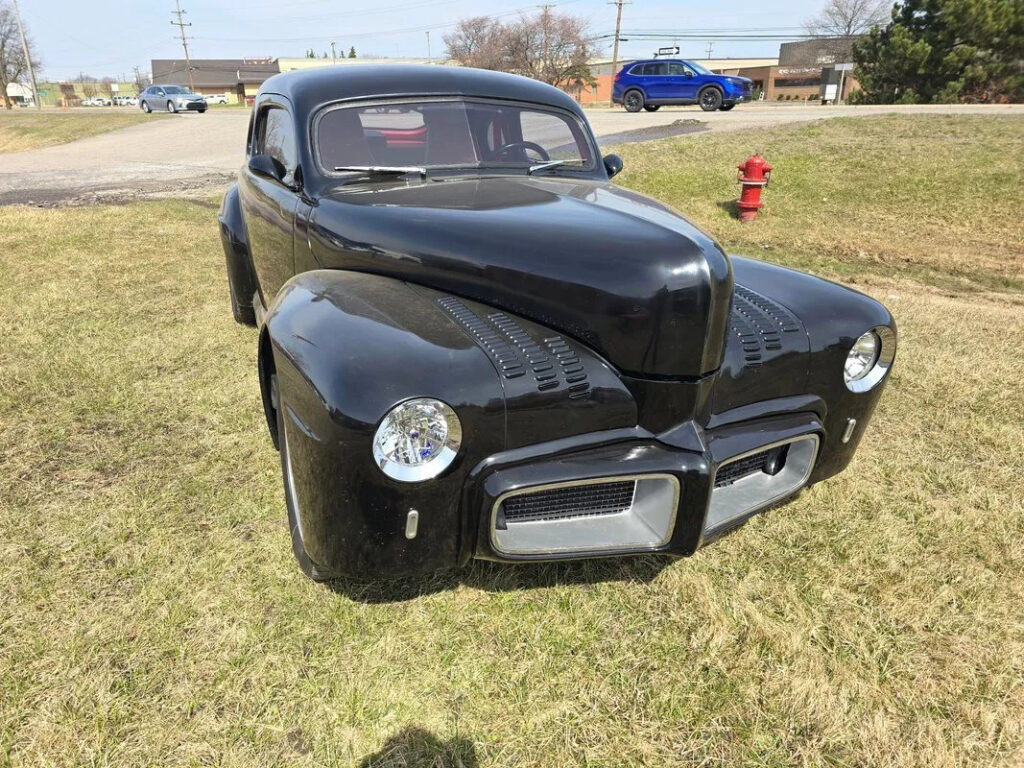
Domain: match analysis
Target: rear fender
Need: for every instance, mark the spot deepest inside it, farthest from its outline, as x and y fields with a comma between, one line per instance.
x=235, y=240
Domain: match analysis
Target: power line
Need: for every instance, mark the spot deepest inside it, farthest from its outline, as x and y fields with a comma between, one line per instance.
x=180, y=24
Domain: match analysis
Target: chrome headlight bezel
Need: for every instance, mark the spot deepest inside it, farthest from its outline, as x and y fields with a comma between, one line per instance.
x=885, y=352
x=417, y=408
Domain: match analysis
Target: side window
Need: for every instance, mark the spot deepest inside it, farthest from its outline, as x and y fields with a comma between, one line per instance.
x=275, y=137
x=656, y=69
x=677, y=69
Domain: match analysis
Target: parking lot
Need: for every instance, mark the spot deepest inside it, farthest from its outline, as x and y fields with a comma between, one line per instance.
x=191, y=152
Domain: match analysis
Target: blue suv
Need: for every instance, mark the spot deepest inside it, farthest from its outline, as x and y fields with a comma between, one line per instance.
x=649, y=84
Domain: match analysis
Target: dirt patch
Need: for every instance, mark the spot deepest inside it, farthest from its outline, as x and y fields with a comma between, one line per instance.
x=117, y=194
x=651, y=133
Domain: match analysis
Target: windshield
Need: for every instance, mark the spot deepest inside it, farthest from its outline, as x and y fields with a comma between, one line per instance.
x=174, y=89
x=451, y=134
x=698, y=68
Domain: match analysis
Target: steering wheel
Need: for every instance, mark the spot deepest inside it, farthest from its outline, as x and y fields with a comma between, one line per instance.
x=524, y=145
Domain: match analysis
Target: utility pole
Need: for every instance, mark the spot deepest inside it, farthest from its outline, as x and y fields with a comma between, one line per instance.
x=28, y=58
x=615, y=48
x=711, y=47
x=334, y=54
x=184, y=42
x=428, y=48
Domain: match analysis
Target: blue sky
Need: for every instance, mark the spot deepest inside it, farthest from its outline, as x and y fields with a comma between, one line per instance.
x=108, y=37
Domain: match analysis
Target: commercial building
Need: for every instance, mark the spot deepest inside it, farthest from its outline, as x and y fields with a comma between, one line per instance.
x=237, y=78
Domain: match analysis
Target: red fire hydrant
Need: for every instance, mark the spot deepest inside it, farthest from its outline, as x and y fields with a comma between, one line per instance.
x=754, y=174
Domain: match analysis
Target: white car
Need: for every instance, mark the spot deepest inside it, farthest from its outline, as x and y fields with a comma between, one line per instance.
x=216, y=98
x=96, y=101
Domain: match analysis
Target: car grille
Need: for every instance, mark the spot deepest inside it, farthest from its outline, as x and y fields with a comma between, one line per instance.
x=590, y=500
x=744, y=467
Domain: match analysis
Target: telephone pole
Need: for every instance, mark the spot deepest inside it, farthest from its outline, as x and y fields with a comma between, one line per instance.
x=334, y=55
x=180, y=24
x=429, y=61
x=28, y=58
x=615, y=47
x=710, y=48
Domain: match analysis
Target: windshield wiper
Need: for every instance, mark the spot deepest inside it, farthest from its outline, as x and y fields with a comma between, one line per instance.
x=542, y=166
x=383, y=170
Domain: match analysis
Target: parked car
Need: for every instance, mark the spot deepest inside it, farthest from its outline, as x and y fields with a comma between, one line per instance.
x=124, y=101
x=651, y=84
x=216, y=98
x=96, y=101
x=171, y=98
x=473, y=344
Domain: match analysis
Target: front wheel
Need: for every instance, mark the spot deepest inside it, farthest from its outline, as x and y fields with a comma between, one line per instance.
x=726, y=107
x=171, y=107
x=145, y=108
x=710, y=99
x=201, y=111
x=633, y=101
x=652, y=107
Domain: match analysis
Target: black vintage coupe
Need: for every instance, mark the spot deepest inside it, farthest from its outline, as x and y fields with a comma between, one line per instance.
x=471, y=344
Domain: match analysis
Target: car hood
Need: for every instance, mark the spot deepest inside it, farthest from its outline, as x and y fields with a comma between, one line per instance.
x=622, y=273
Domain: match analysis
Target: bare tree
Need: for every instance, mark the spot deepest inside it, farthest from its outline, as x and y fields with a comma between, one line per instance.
x=846, y=18
x=550, y=47
x=477, y=42
x=13, y=67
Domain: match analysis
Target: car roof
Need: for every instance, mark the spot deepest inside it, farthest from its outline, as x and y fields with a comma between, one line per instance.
x=311, y=88
x=657, y=61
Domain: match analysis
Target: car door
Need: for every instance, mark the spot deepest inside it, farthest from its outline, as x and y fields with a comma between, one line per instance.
x=656, y=80
x=269, y=204
x=684, y=81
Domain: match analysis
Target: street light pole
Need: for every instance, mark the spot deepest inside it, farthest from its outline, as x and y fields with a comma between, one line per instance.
x=28, y=58
x=334, y=55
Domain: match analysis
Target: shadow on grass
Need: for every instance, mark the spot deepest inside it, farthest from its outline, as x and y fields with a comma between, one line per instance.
x=729, y=206
x=506, y=577
x=417, y=746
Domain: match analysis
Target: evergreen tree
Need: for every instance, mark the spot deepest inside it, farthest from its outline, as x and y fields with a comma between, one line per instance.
x=944, y=51
x=352, y=52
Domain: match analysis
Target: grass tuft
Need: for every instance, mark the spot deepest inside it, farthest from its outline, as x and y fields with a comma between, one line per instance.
x=25, y=129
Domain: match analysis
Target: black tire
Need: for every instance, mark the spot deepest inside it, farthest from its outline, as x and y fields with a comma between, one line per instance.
x=726, y=107
x=710, y=99
x=201, y=111
x=652, y=107
x=308, y=567
x=633, y=100
x=145, y=108
x=171, y=107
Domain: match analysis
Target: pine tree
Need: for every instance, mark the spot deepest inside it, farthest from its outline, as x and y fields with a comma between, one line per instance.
x=944, y=51
x=352, y=52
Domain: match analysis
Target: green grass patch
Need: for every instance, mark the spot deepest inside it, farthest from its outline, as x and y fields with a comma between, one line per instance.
x=25, y=129
x=152, y=613
x=931, y=197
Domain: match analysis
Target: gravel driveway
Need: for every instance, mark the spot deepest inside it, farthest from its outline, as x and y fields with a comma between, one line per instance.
x=194, y=152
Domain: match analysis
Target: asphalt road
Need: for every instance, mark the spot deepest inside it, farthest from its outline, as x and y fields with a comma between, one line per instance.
x=192, y=152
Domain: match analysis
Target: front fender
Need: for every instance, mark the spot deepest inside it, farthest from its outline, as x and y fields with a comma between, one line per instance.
x=346, y=348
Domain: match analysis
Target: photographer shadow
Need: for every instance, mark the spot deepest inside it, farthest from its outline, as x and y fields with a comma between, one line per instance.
x=414, y=746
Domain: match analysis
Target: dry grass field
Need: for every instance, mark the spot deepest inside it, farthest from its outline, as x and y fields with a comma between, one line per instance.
x=23, y=129
x=152, y=613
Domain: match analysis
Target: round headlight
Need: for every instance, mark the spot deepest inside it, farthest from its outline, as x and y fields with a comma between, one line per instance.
x=417, y=440
x=861, y=357
x=869, y=359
